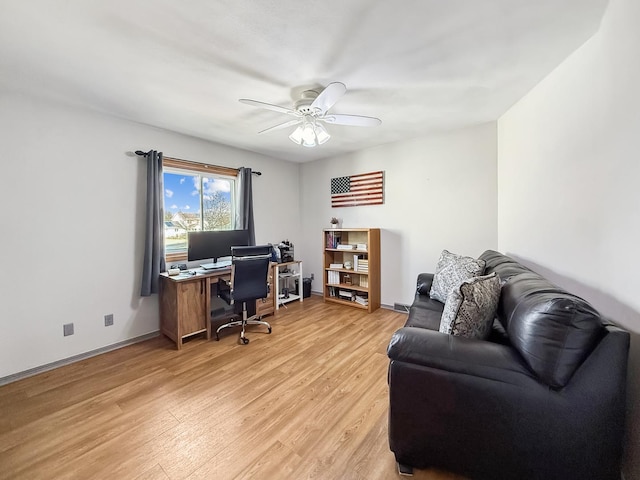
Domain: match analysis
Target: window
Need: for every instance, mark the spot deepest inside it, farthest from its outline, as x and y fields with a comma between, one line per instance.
x=197, y=197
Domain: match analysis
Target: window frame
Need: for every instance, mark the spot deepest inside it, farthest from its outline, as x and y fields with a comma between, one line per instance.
x=176, y=165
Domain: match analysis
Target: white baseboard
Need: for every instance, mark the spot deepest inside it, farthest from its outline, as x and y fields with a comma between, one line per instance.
x=76, y=358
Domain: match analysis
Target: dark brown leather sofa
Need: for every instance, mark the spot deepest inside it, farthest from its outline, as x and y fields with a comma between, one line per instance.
x=542, y=398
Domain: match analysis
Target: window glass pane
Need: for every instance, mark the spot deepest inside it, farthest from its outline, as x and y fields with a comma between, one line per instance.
x=193, y=202
x=216, y=204
x=181, y=210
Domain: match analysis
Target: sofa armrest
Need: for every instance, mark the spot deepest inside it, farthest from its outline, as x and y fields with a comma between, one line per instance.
x=479, y=358
x=424, y=283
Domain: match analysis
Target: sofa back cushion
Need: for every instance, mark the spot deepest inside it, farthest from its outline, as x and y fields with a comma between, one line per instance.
x=504, y=266
x=553, y=330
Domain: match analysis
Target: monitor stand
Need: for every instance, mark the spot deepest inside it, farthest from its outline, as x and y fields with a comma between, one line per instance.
x=215, y=265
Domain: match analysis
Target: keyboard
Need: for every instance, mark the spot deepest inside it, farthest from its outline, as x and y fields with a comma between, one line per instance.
x=213, y=266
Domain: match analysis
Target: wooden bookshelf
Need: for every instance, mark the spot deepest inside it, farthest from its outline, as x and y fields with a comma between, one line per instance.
x=348, y=281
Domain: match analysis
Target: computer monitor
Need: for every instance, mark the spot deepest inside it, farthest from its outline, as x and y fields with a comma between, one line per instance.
x=215, y=244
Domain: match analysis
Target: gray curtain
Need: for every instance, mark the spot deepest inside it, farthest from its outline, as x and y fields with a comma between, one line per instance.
x=154, y=238
x=245, y=203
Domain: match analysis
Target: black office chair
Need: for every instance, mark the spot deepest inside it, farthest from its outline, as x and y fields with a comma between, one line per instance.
x=249, y=276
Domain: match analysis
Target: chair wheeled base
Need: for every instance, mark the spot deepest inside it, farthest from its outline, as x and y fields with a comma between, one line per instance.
x=243, y=322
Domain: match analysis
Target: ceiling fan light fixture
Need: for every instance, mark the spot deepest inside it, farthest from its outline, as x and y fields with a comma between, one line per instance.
x=296, y=135
x=309, y=134
x=321, y=134
x=308, y=144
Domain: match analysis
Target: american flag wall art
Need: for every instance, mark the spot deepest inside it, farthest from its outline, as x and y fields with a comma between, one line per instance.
x=355, y=190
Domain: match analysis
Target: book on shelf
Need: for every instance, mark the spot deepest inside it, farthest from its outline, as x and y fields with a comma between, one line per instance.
x=333, y=239
x=362, y=299
x=347, y=295
x=333, y=277
x=336, y=265
x=361, y=246
x=345, y=246
x=360, y=263
x=364, y=281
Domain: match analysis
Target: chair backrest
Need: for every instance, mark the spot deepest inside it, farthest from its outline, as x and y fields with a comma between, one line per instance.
x=250, y=272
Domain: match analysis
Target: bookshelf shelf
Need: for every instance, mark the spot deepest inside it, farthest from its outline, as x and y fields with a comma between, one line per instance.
x=359, y=249
x=345, y=271
x=348, y=251
x=347, y=302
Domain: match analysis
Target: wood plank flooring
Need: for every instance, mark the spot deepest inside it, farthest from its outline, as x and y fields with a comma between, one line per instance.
x=308, y=401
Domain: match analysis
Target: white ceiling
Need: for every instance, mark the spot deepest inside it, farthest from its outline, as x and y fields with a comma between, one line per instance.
x=419, y=65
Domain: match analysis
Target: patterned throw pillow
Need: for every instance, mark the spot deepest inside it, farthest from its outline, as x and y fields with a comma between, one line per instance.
x=471, y=308
x=452, y=269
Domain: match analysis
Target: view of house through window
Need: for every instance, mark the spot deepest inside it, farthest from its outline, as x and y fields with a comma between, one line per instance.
x=195, y=202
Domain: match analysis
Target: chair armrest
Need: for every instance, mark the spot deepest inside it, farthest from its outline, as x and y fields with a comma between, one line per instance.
x=424, y=283
x=479, y=358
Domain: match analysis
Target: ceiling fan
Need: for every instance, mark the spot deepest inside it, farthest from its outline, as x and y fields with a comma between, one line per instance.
x=311, y=111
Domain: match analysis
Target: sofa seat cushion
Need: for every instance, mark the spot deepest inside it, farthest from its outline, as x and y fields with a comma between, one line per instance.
x=452, y=269
x=471, y=307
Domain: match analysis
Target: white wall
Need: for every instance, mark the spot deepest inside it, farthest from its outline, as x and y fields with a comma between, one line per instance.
x=440, y=192
x=568, y=172
x=72, y=225
x=74, y=208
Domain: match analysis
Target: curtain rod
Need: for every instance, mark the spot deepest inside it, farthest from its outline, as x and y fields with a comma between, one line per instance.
x=144, y=154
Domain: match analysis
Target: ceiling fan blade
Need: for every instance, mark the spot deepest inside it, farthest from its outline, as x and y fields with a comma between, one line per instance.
x=353, y=120
x=290, y=123
x=329, y=96
x=267, y=106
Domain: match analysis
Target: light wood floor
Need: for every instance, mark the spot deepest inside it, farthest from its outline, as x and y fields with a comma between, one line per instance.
x=308, y=401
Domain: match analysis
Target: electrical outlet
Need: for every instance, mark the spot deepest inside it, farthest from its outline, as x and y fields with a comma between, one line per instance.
x=108, y=320
x=67, y=329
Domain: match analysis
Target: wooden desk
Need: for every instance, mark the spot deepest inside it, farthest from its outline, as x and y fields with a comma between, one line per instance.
x=185, y=303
